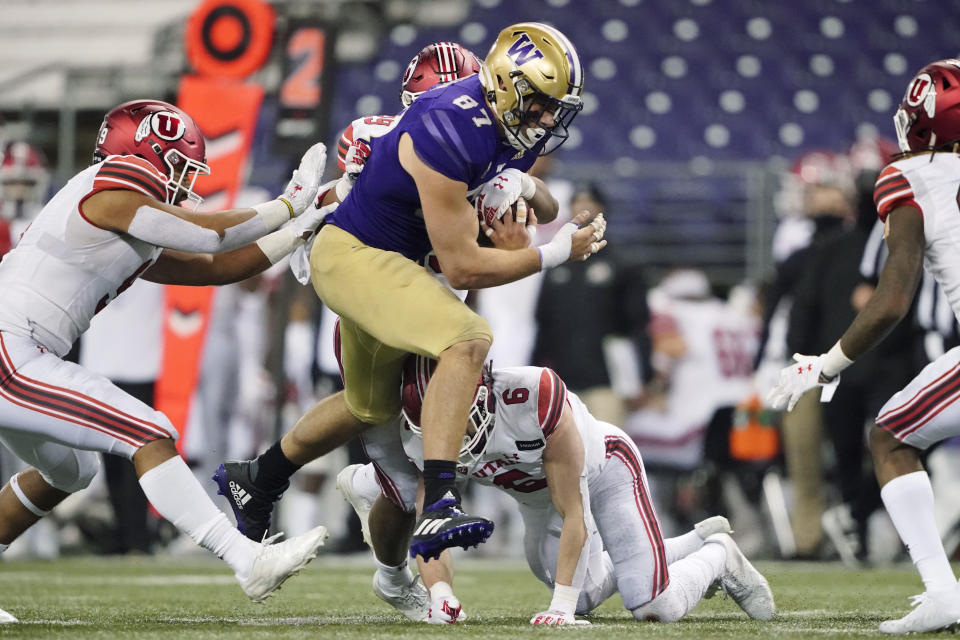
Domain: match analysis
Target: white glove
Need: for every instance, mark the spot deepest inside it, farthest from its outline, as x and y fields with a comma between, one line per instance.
x=302, y=189
x=553, y=618
x=353, y=161
x=304, y=225
x=445, y=610
x=356, y=156
x=557, y=251
x=797, y=379
x=500, y=192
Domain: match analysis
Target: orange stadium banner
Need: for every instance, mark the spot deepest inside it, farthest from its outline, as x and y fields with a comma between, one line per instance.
x=226, y=41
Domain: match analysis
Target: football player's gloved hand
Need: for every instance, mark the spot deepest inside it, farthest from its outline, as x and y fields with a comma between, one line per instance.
x=500, y=192
x=445, y=610
x=553, y=618
x=511, y=233
x=796, y=379
x=353, y=161
x=302, y=189
x=573, y=243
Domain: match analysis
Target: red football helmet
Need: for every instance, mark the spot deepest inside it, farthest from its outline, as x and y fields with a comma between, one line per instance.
x=24, y=179
x=437, y=63
x=162, y=134
x=929, y=115
x=416, y=375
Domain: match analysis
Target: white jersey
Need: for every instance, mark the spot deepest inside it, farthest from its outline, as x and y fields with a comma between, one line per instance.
x=65, y=268
x=360, y=132
x=529, y=403
x=929, y=183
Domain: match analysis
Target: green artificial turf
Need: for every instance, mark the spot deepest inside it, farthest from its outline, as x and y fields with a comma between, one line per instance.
x=196, y=598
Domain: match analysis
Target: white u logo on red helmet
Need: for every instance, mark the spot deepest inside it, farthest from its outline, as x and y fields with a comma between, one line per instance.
x=918, y=89
x=168, y=125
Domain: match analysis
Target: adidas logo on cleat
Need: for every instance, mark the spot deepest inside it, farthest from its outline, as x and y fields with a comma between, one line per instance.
x=431, y=526
x=240, y=497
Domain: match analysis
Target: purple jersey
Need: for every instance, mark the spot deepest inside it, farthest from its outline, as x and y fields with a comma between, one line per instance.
x=454, y=133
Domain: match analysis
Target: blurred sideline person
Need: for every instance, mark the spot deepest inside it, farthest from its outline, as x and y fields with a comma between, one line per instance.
x=702, y=353
x=916, y=197
x=602, y=299
x=827, y=297
x=411, y=198
x=24, y=180
x=112, y=223
x=821, y=187
x=590, y=525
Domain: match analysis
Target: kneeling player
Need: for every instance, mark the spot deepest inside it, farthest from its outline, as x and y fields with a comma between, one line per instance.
x=590, y=527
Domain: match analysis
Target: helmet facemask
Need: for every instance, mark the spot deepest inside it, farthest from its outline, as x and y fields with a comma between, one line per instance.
x=533, y=70
x=480, y=421
x=183, y=173
x=523, y=124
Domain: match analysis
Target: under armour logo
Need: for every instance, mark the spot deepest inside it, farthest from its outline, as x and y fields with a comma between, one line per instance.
x=452, y=612
x=297, y=188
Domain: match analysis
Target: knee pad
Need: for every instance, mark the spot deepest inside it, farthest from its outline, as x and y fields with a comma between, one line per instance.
x=663, y=608
x=74, y=472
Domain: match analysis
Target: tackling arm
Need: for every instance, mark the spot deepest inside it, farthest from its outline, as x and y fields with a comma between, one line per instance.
x=173, y=227
x=200, y=269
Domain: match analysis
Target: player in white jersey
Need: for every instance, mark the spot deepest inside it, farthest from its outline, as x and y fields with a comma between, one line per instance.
x=916, y=197
x=590, y=526
x=110, y=224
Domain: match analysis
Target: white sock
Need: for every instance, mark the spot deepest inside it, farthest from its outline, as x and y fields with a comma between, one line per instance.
x=679, y=547
x=3, y=547
x=365, y=483
x=689, y=580
x=909, y=501
x=393, y=579
x=175, y=493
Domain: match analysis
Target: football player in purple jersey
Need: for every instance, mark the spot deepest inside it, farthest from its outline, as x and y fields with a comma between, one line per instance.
x=410, y=199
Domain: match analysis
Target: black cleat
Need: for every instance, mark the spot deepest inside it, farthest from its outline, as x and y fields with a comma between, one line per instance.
x=251, y=505
x=443, y=525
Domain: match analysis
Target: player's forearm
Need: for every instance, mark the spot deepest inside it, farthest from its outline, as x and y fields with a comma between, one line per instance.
x=227, y=268
x=573, y=536
x=890, y=302
x=882, y=313
x=485, y=267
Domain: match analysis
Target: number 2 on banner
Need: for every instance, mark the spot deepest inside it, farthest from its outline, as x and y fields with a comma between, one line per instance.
x=302, y=88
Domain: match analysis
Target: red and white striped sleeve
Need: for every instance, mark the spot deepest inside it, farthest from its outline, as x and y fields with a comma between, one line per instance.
x=343, y=145
x=130, y=173
x=893, y=190
x=551, y=398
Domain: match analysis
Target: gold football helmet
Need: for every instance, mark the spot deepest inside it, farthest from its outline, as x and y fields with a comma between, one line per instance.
x=533, y=79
